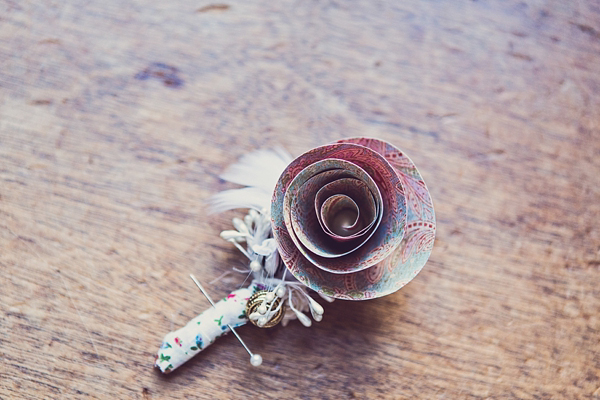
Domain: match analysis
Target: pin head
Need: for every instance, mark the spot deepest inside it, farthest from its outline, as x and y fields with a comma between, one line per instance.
x=256, y=360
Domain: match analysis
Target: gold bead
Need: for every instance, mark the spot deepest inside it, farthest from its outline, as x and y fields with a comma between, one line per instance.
x=256, y=300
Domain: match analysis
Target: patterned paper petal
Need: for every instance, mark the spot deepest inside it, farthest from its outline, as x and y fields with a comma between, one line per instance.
x=393, y=216
x=397, y=269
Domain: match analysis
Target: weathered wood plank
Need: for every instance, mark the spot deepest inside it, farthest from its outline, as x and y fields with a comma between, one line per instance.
x=116, y=118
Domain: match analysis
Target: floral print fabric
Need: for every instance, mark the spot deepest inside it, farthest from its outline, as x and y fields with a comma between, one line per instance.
x=181, y=345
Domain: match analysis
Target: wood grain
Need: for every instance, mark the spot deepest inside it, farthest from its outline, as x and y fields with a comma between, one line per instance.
x=117, y=117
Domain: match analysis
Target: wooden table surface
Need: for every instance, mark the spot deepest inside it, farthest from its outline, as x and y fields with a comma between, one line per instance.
x=117, y=117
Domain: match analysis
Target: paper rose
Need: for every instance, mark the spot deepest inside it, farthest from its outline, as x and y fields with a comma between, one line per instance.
x=353, y=219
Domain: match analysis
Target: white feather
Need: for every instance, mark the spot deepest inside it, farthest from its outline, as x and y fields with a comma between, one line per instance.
x=259, y=169
x=271, y=264
x=248, y=197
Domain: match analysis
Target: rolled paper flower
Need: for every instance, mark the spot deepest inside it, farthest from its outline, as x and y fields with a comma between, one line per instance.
x=353, y=219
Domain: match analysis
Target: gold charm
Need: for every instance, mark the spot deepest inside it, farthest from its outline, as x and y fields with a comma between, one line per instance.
x=260, y=303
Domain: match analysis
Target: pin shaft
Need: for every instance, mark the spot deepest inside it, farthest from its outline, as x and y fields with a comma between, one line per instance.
x=213, y=304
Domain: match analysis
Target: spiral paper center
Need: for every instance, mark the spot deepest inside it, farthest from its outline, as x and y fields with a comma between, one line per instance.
x=333, y=210
x=341, y=215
